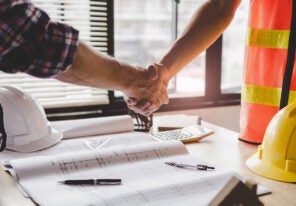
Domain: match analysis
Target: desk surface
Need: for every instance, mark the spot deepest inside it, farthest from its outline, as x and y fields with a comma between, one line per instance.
x=221, y=148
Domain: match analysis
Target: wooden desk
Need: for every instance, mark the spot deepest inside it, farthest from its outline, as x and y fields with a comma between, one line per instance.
x=222, y=148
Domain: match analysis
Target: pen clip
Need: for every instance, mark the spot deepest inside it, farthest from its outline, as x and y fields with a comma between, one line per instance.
x=108, y=181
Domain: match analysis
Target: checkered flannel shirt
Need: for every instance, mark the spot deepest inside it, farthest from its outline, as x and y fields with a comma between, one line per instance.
x=30, y=42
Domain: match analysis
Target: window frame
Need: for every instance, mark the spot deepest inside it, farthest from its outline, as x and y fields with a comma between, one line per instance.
x=213, y=95
x=116, y=106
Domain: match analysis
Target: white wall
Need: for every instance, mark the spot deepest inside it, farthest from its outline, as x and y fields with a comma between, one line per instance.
x=227, y=116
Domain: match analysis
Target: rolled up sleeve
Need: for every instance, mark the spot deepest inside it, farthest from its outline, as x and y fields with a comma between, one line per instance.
x=32, y=43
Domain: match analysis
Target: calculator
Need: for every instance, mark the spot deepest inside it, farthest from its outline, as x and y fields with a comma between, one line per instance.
x=186, y=134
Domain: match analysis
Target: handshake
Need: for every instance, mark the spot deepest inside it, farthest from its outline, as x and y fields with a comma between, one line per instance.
x=146, y=89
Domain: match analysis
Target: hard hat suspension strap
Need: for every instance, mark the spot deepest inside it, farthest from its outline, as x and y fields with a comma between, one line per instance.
x=290, y=60
x=3, y=136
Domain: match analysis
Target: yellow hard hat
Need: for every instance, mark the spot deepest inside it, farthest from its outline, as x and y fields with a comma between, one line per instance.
x=276, y=156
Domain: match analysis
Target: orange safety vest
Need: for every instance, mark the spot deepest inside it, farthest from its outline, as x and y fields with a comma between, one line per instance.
x=264, y=66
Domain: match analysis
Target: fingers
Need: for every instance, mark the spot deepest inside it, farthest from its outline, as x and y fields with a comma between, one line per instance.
x=155, y=71
x=152, y=73
x=160, y=68
x=150, y=91
x=143, y=107
x=146, y=107
x=140, y=107
x=131, y=101
x=146, y=111
x=165, y=97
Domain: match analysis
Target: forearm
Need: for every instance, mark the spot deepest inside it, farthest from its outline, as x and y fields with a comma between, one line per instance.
x=207, y=24
x=91, y=68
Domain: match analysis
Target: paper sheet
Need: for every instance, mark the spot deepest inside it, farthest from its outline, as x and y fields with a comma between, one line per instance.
x=94, y=126
x=83, y=144
x=139, y=162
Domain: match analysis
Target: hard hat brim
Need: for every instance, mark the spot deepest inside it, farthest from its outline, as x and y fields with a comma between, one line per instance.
x=42, y=143
x=265, y=169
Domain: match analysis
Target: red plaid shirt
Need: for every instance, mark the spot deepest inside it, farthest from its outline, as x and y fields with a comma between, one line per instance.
x=30, y=42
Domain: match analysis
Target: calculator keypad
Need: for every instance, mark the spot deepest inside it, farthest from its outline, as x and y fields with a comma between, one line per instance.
x=186, y=134
x=172, y=135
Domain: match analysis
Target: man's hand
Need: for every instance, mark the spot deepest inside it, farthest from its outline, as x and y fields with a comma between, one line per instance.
x=149, y=91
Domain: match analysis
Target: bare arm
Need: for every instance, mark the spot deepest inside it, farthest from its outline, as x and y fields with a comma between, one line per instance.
x=207, y=24
x=94, y=69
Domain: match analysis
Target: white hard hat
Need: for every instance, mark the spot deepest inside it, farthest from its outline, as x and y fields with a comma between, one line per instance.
x=25, y=122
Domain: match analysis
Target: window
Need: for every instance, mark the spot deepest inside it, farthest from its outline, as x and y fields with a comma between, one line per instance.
x=233, y=51
x=91, y=18
x=144, y=30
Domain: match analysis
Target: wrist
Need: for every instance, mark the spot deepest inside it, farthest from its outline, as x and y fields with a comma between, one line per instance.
x=127, y=77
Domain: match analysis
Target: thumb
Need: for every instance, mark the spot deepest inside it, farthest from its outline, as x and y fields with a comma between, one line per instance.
x=152, y=73
x=131, y=100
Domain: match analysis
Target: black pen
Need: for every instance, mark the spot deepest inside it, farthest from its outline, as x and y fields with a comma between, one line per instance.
x=92, y=182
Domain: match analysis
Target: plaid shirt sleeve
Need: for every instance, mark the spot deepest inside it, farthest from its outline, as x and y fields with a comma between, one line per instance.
x=30, y=42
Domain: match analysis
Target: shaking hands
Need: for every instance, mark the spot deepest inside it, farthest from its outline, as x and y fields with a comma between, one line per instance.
x=149, y=90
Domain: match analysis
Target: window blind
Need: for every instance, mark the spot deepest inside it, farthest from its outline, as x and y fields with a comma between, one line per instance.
x=90, y=17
